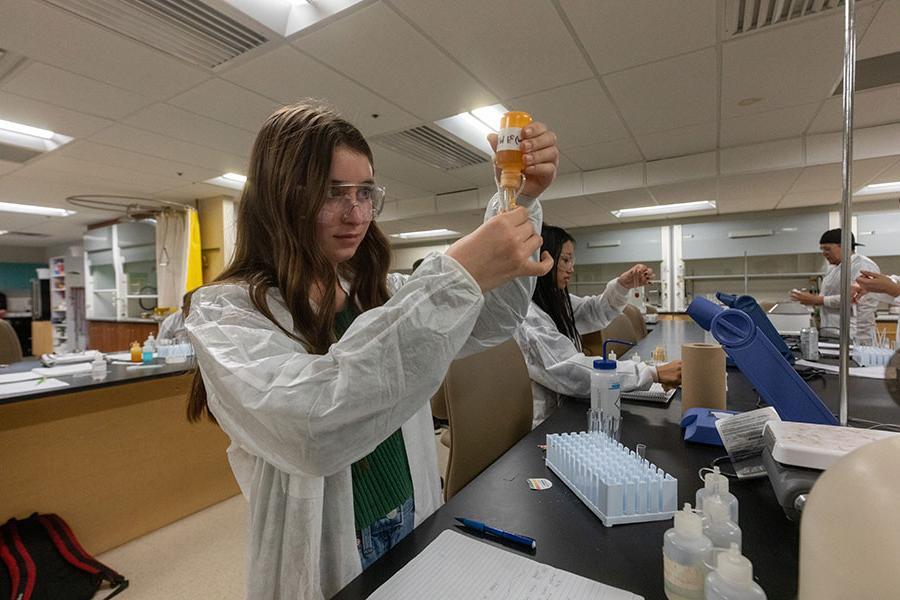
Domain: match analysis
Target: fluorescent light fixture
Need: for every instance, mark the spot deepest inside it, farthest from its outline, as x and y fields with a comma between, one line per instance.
x=474, y=126
x=30, y=209
x=750, y=233
x=3, y=232
x=490, y=115
x=428, y=233
x=235, y=177
x=287, y=17
x=664, y=209
x=879, y=188
x=232, y=181
x=790, y=229
x=605, y=244
x=45, y=134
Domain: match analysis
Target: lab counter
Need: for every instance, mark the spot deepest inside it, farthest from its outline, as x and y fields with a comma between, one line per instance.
x=568, y=534
x=117, y=458
x=116, y=375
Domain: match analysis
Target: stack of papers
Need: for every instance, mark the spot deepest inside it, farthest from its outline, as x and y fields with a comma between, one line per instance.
x=455, y=566
x=28, y=387
x=65, y=370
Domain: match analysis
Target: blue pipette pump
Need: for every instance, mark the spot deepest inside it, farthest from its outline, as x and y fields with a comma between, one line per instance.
x=761, y=362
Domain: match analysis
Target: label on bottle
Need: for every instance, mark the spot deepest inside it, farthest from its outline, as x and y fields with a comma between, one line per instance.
x=687, y=579
x=509, y=138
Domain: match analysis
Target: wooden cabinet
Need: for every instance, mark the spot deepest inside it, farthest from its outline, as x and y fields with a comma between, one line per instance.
x=111, y=336
x=41, y=337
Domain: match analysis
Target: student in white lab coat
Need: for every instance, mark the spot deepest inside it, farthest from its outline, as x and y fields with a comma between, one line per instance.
x=862, y=317
x=550, y=337
x=881, y=287
x=320, y=366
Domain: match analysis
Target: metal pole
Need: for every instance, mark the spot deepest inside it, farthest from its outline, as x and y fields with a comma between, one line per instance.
x=746, y=273
x=846, y=176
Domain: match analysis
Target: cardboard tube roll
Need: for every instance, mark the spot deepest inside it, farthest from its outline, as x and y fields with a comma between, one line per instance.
x=702, y=376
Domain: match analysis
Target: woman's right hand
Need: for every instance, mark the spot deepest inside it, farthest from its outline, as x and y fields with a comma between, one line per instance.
x=500, y=250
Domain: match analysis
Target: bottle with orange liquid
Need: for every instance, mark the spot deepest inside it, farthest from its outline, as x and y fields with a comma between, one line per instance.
x=509, y=157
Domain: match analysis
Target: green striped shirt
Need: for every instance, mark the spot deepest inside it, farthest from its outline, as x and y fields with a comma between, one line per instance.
x=381, y=480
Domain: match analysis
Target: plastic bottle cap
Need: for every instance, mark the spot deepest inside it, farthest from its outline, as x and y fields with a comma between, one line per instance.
x=734, y=567
x=688, y=523
x=715, y=482
x=612, y=356
x=605, y=364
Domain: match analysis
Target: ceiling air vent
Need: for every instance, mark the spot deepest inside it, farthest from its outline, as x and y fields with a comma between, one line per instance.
x=187, y=29
x=744, y=16
x=425, y=144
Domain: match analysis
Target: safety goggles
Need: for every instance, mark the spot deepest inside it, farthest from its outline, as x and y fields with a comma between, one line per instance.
x=342, y=198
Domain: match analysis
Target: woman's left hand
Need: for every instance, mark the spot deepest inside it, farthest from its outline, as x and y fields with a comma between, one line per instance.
x=540, y=155
x=636, y=276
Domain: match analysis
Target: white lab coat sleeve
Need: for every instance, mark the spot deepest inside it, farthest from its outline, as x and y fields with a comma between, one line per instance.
x=317, y=414
x=504, y=307
x=593, y=313
x=554, y=362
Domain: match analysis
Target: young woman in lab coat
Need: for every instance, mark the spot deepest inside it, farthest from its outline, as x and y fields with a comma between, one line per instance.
x=881, y=288
x=550, y=337
x=320, y=366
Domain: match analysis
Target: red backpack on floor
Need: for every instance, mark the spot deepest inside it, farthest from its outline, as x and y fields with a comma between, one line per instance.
x=44, y=561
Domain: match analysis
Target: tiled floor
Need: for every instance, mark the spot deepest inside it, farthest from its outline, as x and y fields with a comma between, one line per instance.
x=200, y=557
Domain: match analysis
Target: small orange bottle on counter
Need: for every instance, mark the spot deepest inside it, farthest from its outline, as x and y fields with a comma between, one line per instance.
x=136, y=352
x=509, y=156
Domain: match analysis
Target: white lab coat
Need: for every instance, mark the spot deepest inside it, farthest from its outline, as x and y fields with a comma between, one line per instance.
x=172, y=326
x=297, y=421
x=862, y=314
x=556, y=367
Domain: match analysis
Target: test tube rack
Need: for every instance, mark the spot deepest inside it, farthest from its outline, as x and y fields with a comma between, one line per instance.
x=615, y=483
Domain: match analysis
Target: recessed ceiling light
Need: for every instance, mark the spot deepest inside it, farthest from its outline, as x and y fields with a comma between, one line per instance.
x=30, y=209
x=475, y=125
x=664, y=209
x=233, y=181
x=45, y=134
x=880, y=188
x=428, y=233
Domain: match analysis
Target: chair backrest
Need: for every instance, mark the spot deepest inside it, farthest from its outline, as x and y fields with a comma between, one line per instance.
x=439, y=404
x=619, y=329
x=592, y=343
x=10, y=348
x=637, y=321
x=489, y=405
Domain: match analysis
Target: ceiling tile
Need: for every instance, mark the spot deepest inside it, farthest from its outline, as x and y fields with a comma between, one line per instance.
x=579, y=114
x=828, y=177
x=566, y=165
x=80, y=168
x=796, y=200
x=771, y=125
x=18, y=222
x=154, y=144
x=490, y=46
x=307, y=78
x=870, y=107
x=881, y=36
x=55, y=37
x=888, y=175
x=178, y=123
x=609, y=201
x=397, y=190
x=195, y=191
x=667, y=95
x=46, y=116
x=744, y=189
x=607, y=154
x=136, y=161
x=693, y=139
x=403, y=66
x=477, y=175
x=568, y=208
x=757, y=203
x=226, y=102
x=785, y=66
x=688, y=191
x=8, y=167
x=618, y=35
x=415, y=173
x=87, y=182
x=59, y=87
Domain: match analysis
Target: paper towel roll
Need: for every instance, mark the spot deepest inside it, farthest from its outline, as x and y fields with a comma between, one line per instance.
x=702, y=376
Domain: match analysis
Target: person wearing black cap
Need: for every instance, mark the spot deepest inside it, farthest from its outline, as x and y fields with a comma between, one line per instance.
x=862, y=315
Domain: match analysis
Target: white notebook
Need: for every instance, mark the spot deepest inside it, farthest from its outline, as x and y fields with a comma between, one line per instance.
x=656, y=394
x=455, y=566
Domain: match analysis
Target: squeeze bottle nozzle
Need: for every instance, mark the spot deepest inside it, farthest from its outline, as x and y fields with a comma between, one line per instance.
x=734, y=566
x=688, y=523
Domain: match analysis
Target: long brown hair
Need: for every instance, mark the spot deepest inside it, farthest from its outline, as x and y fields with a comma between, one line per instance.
x=275, y=247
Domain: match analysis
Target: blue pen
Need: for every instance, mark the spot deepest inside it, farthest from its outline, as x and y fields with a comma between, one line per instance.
x=498, y=533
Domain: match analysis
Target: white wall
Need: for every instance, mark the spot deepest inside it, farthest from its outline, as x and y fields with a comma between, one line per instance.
x=403, y=257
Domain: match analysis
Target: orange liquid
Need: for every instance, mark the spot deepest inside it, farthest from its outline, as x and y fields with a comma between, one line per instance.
x=510, y=161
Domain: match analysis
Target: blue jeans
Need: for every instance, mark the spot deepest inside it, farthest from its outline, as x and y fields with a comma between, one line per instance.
x=382, y=535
